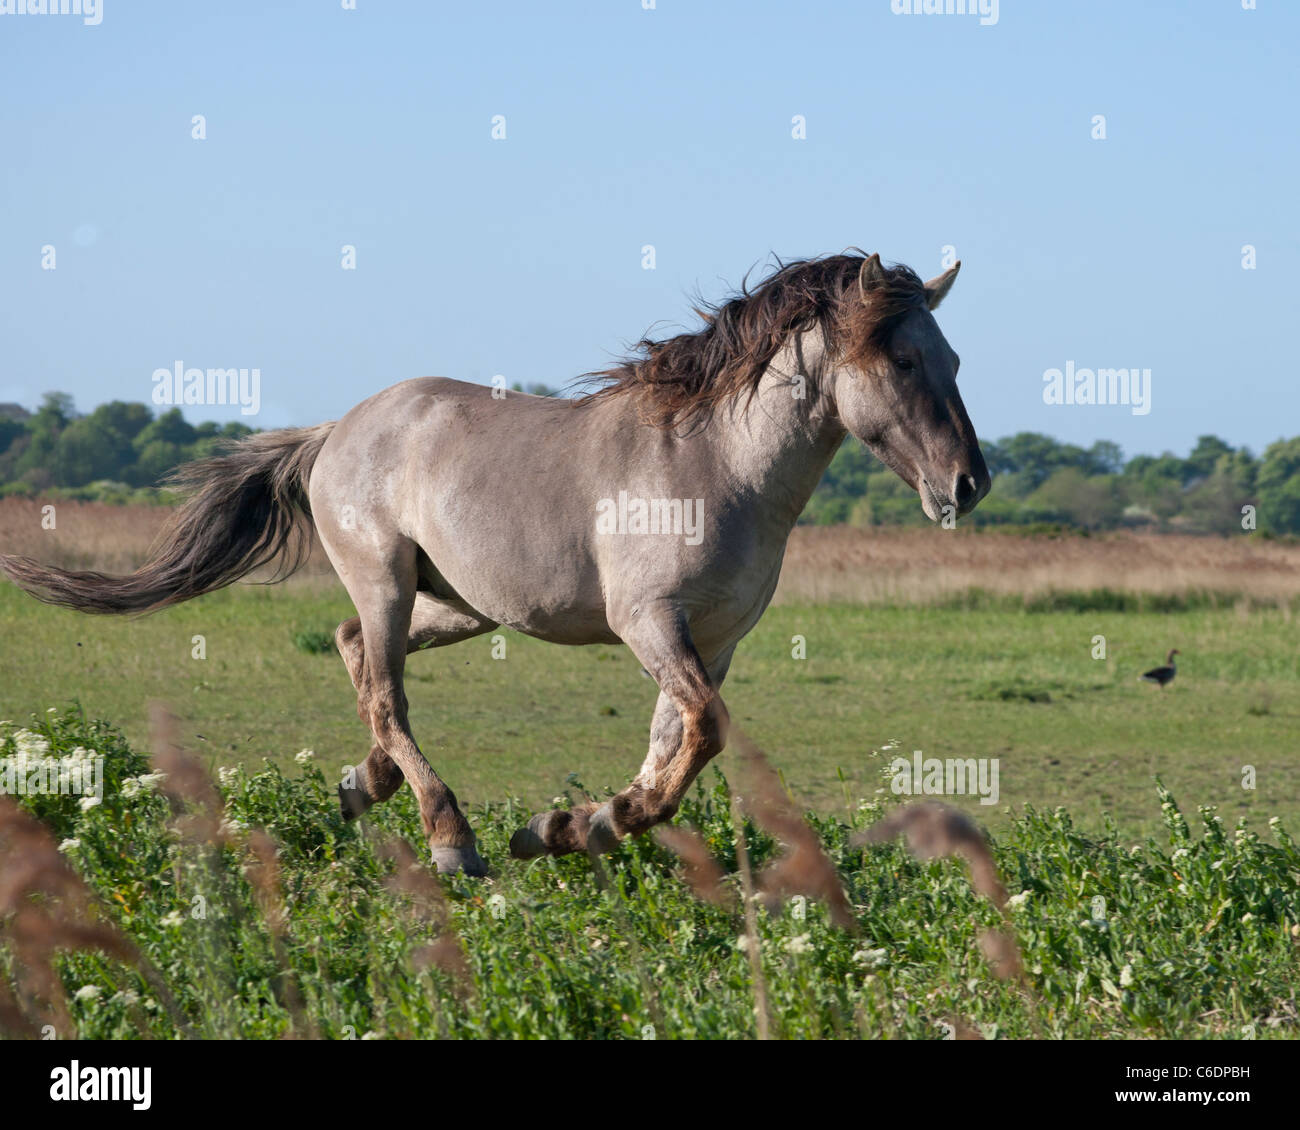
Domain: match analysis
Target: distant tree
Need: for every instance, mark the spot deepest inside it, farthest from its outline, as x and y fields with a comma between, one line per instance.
x=1204, y=457
x=1082, y=500
x=1106, y=458
x=171, y=427
x=1278, y=483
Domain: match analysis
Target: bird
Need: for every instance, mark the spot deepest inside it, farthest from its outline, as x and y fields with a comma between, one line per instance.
x=1163, y=675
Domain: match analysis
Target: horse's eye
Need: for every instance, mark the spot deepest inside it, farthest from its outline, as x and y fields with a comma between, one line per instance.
x=904, y=364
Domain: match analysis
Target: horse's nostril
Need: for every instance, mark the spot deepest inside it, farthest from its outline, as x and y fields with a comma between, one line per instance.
x=964, y=491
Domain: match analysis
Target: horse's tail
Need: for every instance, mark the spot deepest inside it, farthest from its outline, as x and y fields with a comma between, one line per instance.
x=243, y=511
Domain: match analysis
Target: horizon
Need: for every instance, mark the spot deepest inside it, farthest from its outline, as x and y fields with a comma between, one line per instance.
x=78, y=412
x=376, y=195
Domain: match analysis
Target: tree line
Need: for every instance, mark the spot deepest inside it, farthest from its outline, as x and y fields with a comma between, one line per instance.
x=122, y=451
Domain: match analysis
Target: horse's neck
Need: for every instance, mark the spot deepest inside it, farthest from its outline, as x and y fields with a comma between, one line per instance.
x=779, y=443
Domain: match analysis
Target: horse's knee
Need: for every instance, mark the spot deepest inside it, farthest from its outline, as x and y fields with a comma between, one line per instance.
x=352, y=648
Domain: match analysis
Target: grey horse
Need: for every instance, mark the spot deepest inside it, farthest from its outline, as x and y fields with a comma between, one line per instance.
x=652, y=511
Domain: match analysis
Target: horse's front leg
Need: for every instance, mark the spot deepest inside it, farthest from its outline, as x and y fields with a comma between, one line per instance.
x=689, y=728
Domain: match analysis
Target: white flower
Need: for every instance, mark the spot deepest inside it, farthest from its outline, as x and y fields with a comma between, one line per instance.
x=127, y=997
x=742, y=943
x=1274, y=821
x=372, y=1036
x=30, y=745
x=1180, y=853
x=231, y=827
x=1247, y=918
x=89, y=802
x=175, y=918
x=1017, y=902
x=130, y=787
x=303, y=756
x=227, y=775
x=151, y=780
x=872, y=959
x=1126, y=977
x=556, y=801
x=88, y=992
x=70, y=844
x=801, y=944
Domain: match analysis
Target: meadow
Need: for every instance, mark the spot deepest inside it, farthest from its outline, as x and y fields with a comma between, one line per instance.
x=983, y=646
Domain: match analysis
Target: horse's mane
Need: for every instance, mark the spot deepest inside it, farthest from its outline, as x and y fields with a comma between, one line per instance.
x=683, y=379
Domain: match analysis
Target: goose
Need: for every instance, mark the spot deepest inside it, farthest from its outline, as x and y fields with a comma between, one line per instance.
x=1163, y=675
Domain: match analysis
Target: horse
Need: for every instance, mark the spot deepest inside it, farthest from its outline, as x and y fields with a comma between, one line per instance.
x=449, y=509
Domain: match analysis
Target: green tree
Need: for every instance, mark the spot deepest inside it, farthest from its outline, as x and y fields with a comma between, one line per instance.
x=1278, y=484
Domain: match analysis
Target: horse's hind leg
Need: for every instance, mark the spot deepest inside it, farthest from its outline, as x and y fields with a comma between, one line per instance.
x=434, y=623
x=384, y=593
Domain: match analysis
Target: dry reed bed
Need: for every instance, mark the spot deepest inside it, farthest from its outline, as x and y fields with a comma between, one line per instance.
x=928, y=565
x=821, y=564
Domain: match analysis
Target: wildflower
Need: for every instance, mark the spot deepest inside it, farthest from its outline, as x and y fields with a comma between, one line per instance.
x=130, y=787
x=128, y=997
x=88, y=993
x=89, y=802
x=1247, y=918
x=872, y=959
x=304, y=756
x=31, y=745
x=742, y=943
x=800, y=944
x=1126, y=977
x=1017, y=902
x=70, y=844
x=227, y=774
x=175, y=918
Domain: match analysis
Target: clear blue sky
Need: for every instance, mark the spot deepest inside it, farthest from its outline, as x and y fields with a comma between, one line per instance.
x=669, y=127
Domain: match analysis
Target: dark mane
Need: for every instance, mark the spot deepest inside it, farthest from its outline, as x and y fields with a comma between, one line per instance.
x=682, y=379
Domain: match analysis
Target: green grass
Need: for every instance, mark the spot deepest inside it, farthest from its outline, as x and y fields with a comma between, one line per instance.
x=1185, y=934
x=992, y=680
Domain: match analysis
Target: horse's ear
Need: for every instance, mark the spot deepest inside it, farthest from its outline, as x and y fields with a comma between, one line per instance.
x=871, y=272
x=939, y=286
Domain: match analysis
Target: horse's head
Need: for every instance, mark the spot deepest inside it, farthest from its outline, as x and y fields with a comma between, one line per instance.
x=896, y=389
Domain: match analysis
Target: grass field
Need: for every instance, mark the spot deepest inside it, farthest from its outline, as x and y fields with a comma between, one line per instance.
x=256, y=913
x=1131, y=918
x=987, y=681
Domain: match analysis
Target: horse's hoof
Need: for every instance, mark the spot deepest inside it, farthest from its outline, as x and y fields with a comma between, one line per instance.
x=530, y=841
x=353, y=802
x=602, y=838
x=453, y=859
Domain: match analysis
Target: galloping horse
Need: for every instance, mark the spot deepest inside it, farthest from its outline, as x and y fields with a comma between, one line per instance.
x=449, y=510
